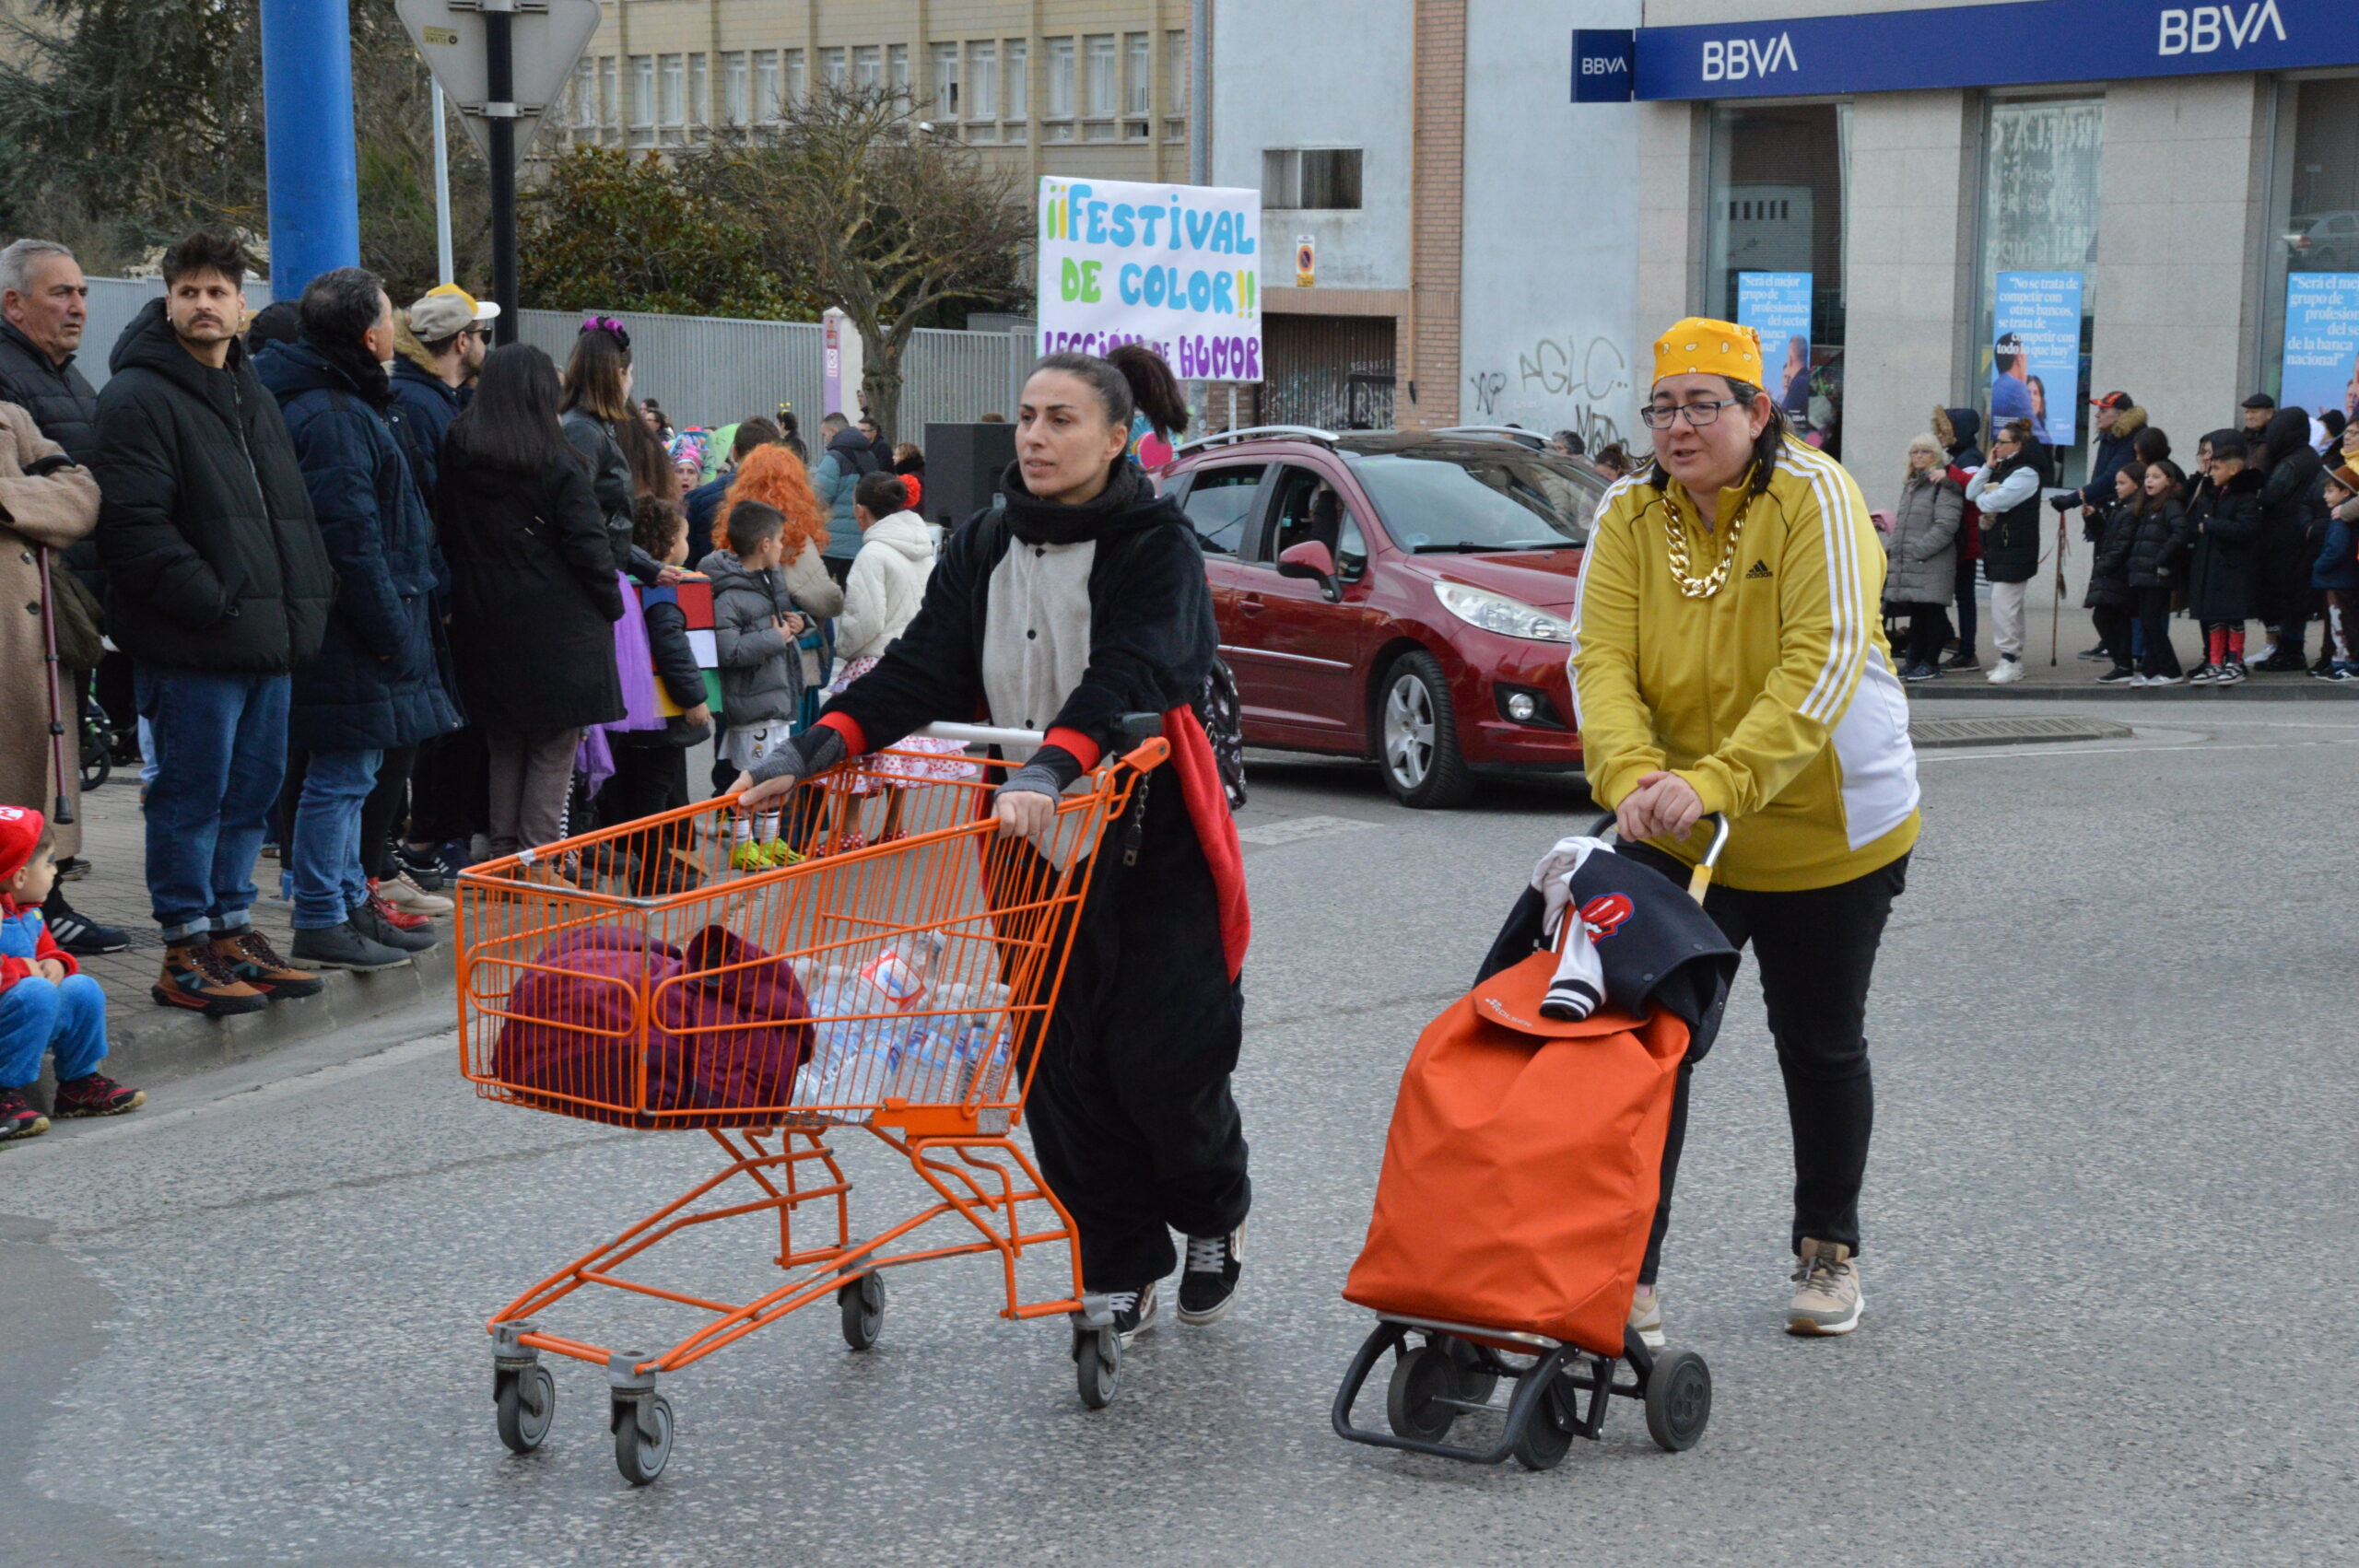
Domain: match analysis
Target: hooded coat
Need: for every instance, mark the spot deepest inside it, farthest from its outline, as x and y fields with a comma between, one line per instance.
x=1958, y=430
x=377, y=683
x=834, y=478
x=2109, y=572
x=1923, y=545
x=2158, y=549
x=761, y=670
x=886, y=584
x=213, y=560
x=430, y=402
x=53, y=512
x=2105, y=460
x=2292, y=511
x=534, y=596
x=2220, y=577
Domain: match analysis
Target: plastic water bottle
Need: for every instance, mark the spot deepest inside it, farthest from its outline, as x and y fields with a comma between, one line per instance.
x=855, y=1060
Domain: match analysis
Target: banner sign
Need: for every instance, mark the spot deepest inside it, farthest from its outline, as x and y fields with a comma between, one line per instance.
x=1993, y=45
x=1777, y=305
x=1174, y=266
x=2321, y=343
x=2035, y=355
x=1601, y=64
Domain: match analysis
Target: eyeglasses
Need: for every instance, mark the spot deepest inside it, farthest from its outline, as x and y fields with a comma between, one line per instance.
x=1663, y=415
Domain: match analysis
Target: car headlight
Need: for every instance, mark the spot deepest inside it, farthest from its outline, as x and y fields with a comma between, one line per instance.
x=1497, y=612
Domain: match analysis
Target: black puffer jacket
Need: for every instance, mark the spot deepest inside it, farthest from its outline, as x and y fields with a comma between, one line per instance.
x=2220, y=577
x=2158, y=549
x=2293, y=519
x=212, y=558
x=2109, y=574
x=378, y=681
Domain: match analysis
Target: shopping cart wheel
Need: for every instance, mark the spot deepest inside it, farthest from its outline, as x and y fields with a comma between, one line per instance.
x=1098, y=1366
x=1477, y=1380
x=1679, y=1400
x=527, y=1398
x=1422, y=1380
x=1547, y=1434
x=861, y=1302
x=642, y=1437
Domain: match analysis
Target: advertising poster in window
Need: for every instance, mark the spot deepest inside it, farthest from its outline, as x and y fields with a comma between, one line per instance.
x=1174, y=266
x=1777, y=305
x=2321, y=343
x=2035, y=353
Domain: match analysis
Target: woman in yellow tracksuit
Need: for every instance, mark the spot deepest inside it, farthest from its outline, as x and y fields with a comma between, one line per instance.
x=1729, y=655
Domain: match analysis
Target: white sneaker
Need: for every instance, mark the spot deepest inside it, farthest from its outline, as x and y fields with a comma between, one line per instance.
x=2007, y=672
x=403, y=893
x=1646, y=1317
x=2138, y=680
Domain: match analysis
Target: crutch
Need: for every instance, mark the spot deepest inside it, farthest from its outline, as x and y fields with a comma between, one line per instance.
x=57, y=730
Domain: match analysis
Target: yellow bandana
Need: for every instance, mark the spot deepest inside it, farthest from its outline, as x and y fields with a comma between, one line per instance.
x=1710, y=347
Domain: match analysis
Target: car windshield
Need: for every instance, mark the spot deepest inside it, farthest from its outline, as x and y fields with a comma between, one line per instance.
x=1461, y=500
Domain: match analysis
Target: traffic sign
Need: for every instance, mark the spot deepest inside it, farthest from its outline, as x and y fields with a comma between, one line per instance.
x=545, y=36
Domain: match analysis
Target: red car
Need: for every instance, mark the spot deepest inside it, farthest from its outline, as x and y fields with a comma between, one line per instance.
x=1405, y=596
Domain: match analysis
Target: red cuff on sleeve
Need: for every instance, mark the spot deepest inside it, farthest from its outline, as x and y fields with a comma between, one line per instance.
x=1083, y=750
x=855, y=739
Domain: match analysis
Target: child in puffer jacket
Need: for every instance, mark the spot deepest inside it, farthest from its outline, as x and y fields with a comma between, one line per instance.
x=47, y=1004
x=755, y=627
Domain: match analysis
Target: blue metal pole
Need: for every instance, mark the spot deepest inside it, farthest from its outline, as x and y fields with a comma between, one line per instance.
x=308, y=140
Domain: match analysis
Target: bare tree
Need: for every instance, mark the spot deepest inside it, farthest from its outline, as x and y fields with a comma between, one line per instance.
x=887, y=219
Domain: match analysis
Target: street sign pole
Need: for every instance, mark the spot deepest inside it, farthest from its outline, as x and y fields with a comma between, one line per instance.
x=499, y=115
x=443, y=270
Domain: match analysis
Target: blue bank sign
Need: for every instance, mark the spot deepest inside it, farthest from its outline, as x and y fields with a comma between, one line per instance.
x=1601, y=64
x=2004, y=46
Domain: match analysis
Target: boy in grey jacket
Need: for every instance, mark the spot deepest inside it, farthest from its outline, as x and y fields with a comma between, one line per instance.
x=753, y=628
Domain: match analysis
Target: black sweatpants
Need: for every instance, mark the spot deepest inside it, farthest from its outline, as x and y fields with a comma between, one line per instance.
x=1130, y=1111
x=1816, y=950
x=2113, y=625
x=2155, y=620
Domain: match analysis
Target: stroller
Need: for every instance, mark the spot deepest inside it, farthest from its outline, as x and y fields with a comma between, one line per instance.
x=1522, y=1173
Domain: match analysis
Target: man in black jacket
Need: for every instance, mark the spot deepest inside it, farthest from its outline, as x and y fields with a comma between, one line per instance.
x=218, y=586
x=44, y=303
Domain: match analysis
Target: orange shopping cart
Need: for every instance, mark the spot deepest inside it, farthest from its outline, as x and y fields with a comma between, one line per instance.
x=634, y=975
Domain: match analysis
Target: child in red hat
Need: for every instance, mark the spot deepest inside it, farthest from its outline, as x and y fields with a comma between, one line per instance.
x=46, y=1002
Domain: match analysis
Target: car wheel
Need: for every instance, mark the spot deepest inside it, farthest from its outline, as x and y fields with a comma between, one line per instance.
x=1418, y=736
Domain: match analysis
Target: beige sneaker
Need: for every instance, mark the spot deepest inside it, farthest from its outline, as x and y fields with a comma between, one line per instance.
x=1646, y=1317
x=1827, y=1289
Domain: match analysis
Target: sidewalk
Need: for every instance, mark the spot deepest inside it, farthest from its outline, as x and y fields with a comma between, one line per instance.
x=148, y=1042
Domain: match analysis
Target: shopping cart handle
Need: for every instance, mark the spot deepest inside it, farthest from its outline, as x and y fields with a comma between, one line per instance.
x=1699, y=879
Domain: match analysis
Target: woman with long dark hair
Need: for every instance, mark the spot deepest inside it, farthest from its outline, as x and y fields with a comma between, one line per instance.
x=599, y=416
x=1083, y=600
x=1728, y=659
x=534, y=595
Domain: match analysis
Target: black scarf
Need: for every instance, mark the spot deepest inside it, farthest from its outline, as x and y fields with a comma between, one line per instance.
x=363, y=369
x=1128, y=503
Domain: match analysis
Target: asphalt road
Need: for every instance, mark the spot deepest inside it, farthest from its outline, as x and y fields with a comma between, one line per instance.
x=2109, y=1256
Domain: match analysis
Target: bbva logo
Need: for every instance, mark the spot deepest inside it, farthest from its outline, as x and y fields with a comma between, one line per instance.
x=2198, y=29
x=1732, y=60
x=1603, y=65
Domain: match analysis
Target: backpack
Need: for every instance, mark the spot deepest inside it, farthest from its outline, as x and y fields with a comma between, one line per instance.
x=1216, y=702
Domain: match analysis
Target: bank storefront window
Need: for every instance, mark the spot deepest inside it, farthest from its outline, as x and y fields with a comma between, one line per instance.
x=1780, y=184
x=2310, y=341
x=2040, y=186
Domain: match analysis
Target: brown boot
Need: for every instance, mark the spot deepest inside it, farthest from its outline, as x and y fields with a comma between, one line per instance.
x=248, y=956
x=195, y=978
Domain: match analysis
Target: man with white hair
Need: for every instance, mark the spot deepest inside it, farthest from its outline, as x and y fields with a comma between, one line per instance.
x=43, y=307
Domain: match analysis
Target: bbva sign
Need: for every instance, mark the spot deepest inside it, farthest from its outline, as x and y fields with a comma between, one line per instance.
x=2199, y=30
x=1735, y=59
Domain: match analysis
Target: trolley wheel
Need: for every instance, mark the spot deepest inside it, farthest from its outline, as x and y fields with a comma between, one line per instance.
x=1098, y=1366
x=527, y=1401
x=640, y=1452
x=1476, y=1381
x=1679, y=1401
x=861, y=1302
x=1422, y=1379
x=1547, y=1437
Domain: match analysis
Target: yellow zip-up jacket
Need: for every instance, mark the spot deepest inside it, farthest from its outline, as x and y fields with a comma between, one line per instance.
x=1774, y=697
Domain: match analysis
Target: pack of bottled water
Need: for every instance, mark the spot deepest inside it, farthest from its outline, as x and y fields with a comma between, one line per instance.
x=885, y=1030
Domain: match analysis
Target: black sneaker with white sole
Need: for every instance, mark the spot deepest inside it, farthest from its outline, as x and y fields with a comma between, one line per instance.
x=76, y=932
x=1208, y=1285
x=1134, y=1312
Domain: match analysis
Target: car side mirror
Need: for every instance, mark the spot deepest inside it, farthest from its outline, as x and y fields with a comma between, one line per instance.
x=1313, y=560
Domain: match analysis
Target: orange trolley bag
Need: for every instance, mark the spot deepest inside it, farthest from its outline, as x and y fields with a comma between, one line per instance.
x=1520, y=1179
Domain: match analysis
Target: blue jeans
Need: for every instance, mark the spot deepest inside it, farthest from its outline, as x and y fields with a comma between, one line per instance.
x=323, y=862
x=38, y=1015
x=219, y=750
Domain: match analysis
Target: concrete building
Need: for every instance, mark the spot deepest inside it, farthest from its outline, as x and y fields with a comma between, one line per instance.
x=2139, y=193
x=1042, y=87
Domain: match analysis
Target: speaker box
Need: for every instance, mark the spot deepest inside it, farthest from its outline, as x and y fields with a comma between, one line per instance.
x=963, y=464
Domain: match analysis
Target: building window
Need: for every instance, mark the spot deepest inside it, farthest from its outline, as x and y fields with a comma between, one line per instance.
x=945, y=81
x=2308, y=352
x=1138, y=82
x=1175, y=85
x=643, y=100
x=897, y=69
x=2042, y=165
x=675, y=69
x=1326, y=178
x=1061, y=98
x=790, y=93
x=1019, y=83
x=867, y=67
x=699, y=92
x=765, y=85
x=610, y=98
x=736, y=102
x=1779, y=181
x=583, y=112
x=1099, y=49
x=982, y=80
x=833, y=70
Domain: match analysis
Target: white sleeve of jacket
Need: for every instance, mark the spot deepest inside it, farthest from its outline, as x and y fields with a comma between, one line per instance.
x=1580, y=984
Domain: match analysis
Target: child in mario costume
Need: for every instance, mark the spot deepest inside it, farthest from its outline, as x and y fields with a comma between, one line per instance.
x=46, y=1002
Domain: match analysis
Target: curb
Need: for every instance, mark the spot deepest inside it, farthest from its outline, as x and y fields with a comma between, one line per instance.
x=148, y=1044
x=2301, y=689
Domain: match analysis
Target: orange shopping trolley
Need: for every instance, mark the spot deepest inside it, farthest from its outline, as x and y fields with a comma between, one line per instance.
x=672, y=974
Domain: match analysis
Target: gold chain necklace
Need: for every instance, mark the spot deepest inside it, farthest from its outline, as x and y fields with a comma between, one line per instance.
x=1675, y=537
